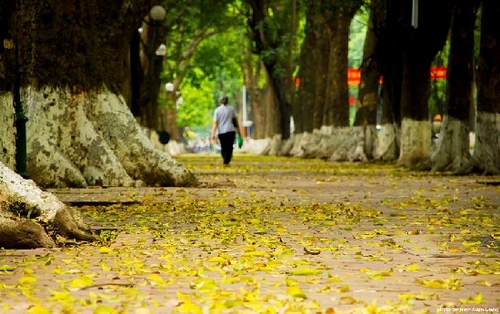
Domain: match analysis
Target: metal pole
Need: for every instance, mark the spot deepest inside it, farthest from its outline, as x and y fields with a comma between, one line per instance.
x=21, y=151
x=244, y=102
x=135, y=70
x=414, y=14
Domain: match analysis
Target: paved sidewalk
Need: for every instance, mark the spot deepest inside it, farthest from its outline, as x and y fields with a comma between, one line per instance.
x=274, y=236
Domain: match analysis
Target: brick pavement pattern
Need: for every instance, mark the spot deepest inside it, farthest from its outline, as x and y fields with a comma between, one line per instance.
x=273, y=235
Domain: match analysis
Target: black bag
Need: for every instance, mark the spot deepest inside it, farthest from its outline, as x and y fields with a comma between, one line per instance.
x=163, y=137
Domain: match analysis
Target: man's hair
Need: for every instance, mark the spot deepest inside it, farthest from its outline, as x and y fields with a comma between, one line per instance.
x=224, y=100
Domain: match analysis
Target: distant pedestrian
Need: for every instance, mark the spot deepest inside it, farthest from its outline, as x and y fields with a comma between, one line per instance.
x=225, y=126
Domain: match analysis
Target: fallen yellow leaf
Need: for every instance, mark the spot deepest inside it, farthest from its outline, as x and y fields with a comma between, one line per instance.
x=347, y=300
x=27, y=280
x=305, y=272
x=38, y=309
x=296, y=292
x=105, y=250
x=104, y=309
x=7, y=268
x=413, y=267
x=478, y=299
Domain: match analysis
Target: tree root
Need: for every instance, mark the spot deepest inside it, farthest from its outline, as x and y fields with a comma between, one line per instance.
x=70, y=226
x=23, y=234
x=23, y=204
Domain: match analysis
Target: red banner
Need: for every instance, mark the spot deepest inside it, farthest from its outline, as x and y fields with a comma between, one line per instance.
x=438, y=73
x=354, y=76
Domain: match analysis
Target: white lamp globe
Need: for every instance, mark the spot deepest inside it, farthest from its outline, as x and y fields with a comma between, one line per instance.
x=157, y=13
x=161, y=51
x=169, y=87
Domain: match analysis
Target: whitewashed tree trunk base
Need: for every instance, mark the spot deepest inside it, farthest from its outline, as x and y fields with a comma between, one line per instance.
x=452, y=147
x=293, y=145
x=335, y=144
x=288, y=145
x=349, y=144
x=315, y=145
x=76, y=140
x=141, y=160
x=257, y=146
x=415, y=143
x=307, y=146
x=22, y=204
x=370, y=140
x=387, y=143
x=486, y=156
x=274, y=147
x=175, y=148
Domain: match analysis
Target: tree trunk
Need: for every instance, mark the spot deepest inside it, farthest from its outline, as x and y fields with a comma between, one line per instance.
x=387, y=147
x=171, y=116
x=151, y=65
x=368, y=94
x=339, y=17
x=486, y=156
x=23, y=207
x=280, y=100
x=251, y=71
x=415, y=126
x=267, y=44
x=389, y=48
x=304, y=107
x=420, y=46
x=323, y=91
x=272, y=112
x=366, y=111
x=320, y=71
x=452, y=151
x=80, y=131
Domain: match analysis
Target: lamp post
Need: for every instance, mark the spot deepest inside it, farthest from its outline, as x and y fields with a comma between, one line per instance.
x=414, y=13
x=156, y=15
x=21, y=119
x=171, y=111
x=247, y=124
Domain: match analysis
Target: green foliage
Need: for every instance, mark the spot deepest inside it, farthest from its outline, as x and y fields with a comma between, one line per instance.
x=198, y=104
x=357, y=36
x=275, y=36
x=214, y=70
x=217, y=56
x=437, y=95
x=204, y=44
x=107, y=236
x=188, y=24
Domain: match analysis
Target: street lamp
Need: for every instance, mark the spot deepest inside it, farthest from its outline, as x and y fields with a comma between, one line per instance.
x=161, y=51
x=171, y=111
x=156, y=15
x=169, y=87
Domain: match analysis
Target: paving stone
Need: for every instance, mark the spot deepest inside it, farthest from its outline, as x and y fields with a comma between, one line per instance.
x=371, y=266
